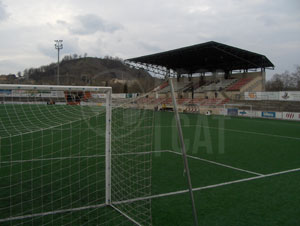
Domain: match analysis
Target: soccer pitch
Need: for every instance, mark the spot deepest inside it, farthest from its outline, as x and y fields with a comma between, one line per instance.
x=244, y=171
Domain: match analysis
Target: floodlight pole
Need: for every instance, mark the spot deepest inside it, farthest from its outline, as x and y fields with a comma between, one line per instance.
x=186, y=166
x=58, y=45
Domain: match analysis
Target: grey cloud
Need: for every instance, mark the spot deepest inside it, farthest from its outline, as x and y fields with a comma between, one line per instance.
x=291, y=7
x=267, y=20
x=267, y=27
x=3, y=13
x=149, y=47
x=61, y=22
x=90, y=24
x=47, y=51
x=7, y=65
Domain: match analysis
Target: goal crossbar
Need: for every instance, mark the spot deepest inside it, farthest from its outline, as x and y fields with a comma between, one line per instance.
x=103, y=89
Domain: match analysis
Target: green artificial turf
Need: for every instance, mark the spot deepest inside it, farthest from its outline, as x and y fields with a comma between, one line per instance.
x=47, y=179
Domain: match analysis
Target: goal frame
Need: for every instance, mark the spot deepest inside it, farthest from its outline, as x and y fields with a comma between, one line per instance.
x=101, y=89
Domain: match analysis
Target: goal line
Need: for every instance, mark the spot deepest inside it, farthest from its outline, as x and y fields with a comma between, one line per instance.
x=209, y=186
x=150, y=197
x=219, y=164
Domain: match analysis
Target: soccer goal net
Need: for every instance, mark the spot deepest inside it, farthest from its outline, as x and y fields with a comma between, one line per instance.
x=71, y=156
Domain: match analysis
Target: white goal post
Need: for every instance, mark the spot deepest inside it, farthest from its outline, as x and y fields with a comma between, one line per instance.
x=235, y=110
x=70, y=155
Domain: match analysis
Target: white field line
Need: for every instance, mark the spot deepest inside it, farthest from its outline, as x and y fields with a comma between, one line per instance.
x=51, y=213
x=149, y=197
x=219, y=164
x=78, y=157
x=239, y=131
x=207, y=187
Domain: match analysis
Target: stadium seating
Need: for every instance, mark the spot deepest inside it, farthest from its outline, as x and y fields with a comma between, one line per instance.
x=203, y=87
x=195, y=101
x=162, y=86
x=209, y=102
x=183, y=101
x=224, y=101
x=239, y=84
x=225, y=83
x=188, y=88
x=167, y=101
x=216, y=86
x=178, y=86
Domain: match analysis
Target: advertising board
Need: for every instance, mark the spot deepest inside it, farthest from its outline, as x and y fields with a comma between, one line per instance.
x=291, y=116
x=289, y=96
x=246, y=113
x=268, y=114
x=232, y=111
x=5, y=92
x=262, y=95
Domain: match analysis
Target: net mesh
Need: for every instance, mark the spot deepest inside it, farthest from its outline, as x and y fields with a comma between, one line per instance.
x=131, y=161
x=52, y=159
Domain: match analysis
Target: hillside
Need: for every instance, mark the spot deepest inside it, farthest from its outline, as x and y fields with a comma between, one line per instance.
x=90, y=71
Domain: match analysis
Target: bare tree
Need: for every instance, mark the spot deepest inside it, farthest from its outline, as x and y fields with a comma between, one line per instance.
x=285, y=81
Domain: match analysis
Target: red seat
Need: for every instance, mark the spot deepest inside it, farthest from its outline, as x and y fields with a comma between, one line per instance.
x=239, y=84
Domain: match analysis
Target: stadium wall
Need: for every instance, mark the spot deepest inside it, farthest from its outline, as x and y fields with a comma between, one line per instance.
x=279, y=96
x=295, y=116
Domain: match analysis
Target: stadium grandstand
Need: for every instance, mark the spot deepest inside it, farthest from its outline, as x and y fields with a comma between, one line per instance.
x=208, y=75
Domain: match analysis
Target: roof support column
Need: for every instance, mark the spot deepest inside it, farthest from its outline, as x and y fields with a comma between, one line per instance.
x=263, y=73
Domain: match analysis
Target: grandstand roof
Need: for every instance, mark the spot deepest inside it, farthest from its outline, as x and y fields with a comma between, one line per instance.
x=207, y=57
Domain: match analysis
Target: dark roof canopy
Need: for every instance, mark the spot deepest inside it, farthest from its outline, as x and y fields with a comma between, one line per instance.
x=207, y=57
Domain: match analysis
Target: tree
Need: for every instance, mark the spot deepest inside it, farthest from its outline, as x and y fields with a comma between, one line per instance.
x=275, y=85
x=11, y=77
x=66, y=58
x=26, y=74
x=286, y=81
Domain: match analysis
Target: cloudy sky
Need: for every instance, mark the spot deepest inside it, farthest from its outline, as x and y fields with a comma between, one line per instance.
x=130, y=28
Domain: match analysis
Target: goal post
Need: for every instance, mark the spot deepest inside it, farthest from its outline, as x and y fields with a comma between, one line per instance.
x=108, y=148
x=71, y=155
